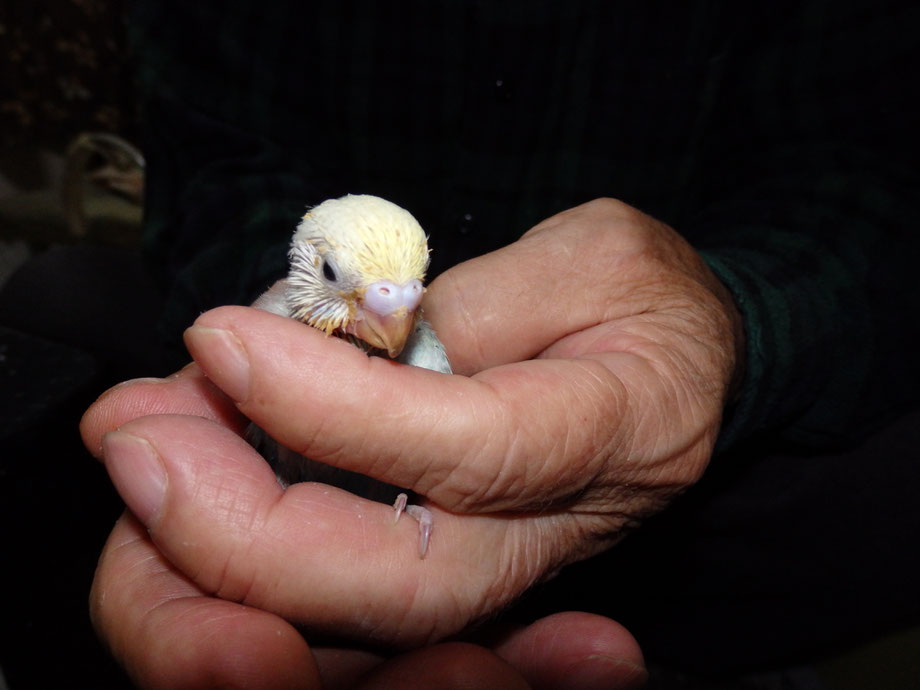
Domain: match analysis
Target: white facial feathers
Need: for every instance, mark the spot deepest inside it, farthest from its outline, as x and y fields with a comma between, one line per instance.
x=344, y=245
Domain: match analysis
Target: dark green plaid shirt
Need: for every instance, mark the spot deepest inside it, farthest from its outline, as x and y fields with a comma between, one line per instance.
x=780, y=139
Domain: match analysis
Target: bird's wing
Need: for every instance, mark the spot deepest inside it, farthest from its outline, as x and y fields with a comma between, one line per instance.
x=274, y=300
x=423, y=349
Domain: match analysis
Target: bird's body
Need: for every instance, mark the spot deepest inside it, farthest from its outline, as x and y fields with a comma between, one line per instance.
x=356, y=269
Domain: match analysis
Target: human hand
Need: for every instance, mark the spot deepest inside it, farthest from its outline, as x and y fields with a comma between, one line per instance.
x=168, y=631
x=538, y=462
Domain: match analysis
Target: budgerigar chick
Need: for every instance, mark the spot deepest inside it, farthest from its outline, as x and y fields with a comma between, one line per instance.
x=356, y=269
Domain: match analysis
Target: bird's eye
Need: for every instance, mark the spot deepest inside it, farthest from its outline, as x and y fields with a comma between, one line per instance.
x=329, y=272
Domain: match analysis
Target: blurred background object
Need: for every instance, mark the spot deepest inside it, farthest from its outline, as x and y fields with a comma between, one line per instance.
x=64, y=72
x=102, y=189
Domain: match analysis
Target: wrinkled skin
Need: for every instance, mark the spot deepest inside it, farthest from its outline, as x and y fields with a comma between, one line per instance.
x=595, y=357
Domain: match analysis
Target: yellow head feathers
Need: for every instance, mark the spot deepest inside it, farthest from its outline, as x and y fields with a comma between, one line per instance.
x=354, y=262
x=369, y=237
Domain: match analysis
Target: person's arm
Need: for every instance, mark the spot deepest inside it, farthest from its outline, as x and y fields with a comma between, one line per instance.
x=811, y=204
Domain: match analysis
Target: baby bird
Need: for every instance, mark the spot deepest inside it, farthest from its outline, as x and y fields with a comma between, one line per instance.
x=356, y=269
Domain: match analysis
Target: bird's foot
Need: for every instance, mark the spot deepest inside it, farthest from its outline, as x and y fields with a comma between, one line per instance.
x=422, y=515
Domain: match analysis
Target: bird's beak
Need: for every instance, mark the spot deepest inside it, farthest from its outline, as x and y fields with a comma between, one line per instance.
x=386, y=315
x=386, y=332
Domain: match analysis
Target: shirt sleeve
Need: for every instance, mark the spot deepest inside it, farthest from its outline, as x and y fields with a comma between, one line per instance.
x=811, y=222
x=800, y=187
x=221, y=205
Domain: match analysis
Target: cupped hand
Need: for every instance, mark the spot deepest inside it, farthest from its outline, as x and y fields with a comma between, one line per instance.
x=597, y=354
x=170, y=632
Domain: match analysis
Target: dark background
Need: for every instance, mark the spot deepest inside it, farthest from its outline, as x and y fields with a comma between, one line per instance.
x=64, y=71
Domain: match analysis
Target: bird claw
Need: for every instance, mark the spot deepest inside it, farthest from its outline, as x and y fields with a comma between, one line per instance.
x=422, y=515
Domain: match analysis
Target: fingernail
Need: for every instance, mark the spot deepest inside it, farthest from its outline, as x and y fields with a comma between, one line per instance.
x=606, y=672
x=137, y=472
x=223, y=358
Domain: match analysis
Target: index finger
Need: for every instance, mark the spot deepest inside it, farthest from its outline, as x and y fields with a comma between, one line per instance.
x=187, y=391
